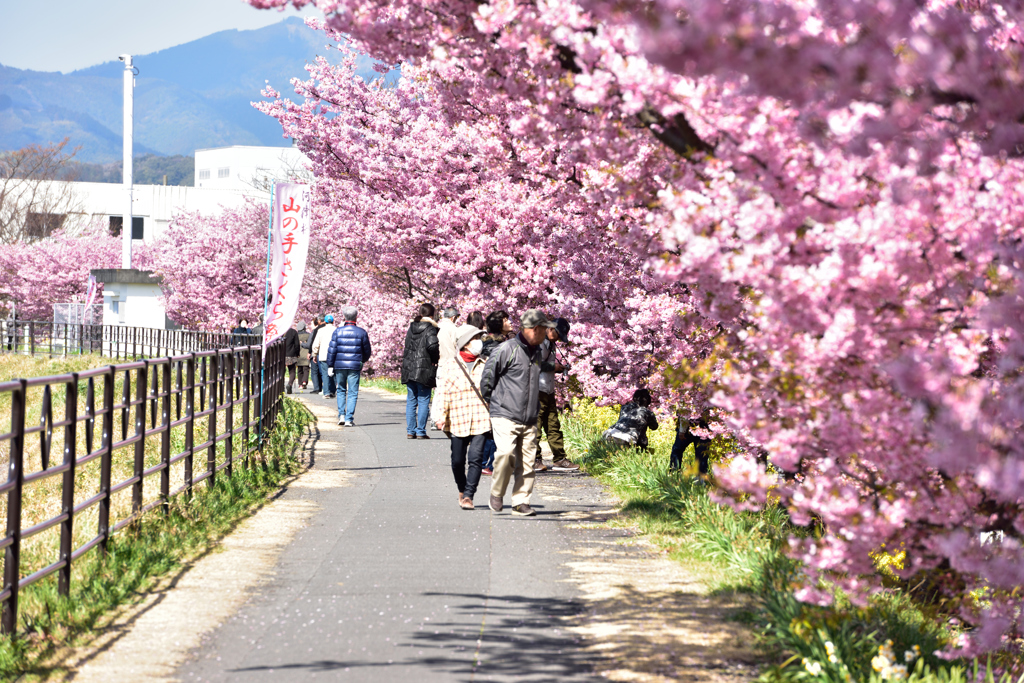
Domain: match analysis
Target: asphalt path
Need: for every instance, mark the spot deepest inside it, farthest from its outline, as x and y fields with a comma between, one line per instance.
x=392, y=581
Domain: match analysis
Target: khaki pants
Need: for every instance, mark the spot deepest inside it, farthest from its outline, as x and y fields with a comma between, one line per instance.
x=513, y=441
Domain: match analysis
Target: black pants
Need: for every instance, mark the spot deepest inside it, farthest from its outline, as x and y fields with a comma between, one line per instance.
x=700, y=451
x=474, y=446
x=303, y=374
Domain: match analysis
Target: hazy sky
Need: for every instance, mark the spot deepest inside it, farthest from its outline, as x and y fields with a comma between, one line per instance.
x=64, y=35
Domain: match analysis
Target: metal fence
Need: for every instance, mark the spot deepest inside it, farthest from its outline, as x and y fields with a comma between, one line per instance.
x=50, y=338
x=110, y=415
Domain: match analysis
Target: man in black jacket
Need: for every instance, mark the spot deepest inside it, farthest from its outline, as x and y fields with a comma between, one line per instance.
x=511, y=384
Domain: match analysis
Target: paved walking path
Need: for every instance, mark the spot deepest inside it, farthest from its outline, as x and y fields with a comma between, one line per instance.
x=391, y=581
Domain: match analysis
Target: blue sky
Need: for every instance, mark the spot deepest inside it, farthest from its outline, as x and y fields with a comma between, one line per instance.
x=65, y=35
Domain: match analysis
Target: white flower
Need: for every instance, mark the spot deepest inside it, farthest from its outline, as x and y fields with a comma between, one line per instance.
x=813, y=667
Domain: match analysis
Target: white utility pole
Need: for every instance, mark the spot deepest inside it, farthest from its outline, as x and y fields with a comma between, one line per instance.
x=129, y=116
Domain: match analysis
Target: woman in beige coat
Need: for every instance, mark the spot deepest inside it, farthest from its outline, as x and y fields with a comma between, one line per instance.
x=464, y=413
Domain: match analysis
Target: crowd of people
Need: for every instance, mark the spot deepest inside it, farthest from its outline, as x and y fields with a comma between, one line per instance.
x=489, y=389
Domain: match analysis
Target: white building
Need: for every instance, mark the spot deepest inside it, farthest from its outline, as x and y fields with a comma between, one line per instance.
x=224, y=178
x=246, y=169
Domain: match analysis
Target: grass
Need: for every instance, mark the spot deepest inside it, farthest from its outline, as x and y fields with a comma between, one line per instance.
x=145, y=551
x=744, y=552
x=41, y=500
x=384, y=383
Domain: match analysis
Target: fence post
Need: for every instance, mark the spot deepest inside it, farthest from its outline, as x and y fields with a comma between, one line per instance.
x=246, y=391
x=31, y=339
x=211, y=451
x=229, y=412
x=141, y=378
x=15, y=473
x=190, y=412
x=90, y=411
x=68, y=489
x=126, y=397
x=165, y=438
x=108, y=449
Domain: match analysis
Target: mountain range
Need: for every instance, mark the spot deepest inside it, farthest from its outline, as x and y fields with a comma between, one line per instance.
x=191, y=96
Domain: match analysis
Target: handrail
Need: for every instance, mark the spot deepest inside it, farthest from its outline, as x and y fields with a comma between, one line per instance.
x=157, y=395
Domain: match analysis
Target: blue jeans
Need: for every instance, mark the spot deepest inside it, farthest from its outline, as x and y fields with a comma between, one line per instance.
x=347, y=382
x=326, y=382
x=417, y=408
x=489, y=449
x=314, y=373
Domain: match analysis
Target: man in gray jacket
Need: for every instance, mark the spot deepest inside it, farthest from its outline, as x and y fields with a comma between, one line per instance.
x=510, y=384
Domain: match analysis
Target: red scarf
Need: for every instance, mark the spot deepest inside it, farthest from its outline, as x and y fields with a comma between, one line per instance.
x=467, y=356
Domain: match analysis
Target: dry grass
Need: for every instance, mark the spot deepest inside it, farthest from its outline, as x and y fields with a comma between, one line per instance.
x=41, y=500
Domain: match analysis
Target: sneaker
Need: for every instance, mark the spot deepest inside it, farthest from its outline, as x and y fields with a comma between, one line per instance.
x=523, y=510
x=330, y=395
x=539, y=466
x=496, y=503
x=341, y=421
x=288, y=389
x=315, y=391
x=487, y=471
x=564, y=465
x=350, y=424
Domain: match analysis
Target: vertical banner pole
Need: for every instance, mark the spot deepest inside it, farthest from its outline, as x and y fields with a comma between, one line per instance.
x=266, y=292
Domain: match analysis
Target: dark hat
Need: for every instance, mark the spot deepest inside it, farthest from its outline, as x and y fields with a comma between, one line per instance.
x=535, y=318
x=562, y=325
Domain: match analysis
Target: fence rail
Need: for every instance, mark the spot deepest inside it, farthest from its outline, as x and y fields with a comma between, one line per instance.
x=218, y=389
x=50, y=338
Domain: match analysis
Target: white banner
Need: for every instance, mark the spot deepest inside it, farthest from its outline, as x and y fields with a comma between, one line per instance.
x=289, y=244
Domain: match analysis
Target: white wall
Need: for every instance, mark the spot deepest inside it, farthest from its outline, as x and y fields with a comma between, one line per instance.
x=246, y=168
x=137, y=305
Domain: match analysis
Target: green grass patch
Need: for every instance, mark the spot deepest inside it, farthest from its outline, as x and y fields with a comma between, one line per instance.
x=385, y=383
x=141, y=554
x=891, y=638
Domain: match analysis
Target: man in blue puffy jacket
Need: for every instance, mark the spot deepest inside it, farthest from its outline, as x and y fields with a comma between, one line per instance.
x=349, y=349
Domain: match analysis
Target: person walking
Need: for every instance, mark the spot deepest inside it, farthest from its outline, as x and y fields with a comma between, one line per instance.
x=321, y=345
x=348, y=351
x=511, y=384
x=419, y=370
x=464, y=413
x=446, y=349
x=635, y=418
x=314, y=366
x=547, y=415
x=303, y=363
x=497, y=327
x=291, y=355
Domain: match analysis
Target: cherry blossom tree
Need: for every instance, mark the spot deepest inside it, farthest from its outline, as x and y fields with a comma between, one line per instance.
x=822, y=199
x=35, y=275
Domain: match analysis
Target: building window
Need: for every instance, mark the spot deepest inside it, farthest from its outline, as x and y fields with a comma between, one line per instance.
x=224, y=172
x=138, y=224
x=39, y=225
x=204, y=174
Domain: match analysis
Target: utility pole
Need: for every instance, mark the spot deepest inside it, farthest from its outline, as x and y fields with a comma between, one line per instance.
x=129, y=116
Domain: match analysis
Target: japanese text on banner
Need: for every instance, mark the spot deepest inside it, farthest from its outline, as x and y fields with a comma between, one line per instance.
x=289, y=244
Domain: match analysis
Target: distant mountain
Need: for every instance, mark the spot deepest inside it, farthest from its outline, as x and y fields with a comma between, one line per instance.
x=187, y=97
